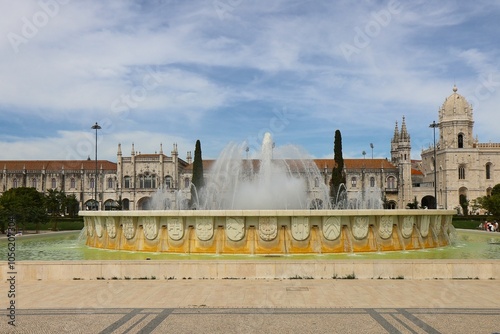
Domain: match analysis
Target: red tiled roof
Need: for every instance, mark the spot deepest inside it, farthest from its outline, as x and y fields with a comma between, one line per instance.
x=56, y=165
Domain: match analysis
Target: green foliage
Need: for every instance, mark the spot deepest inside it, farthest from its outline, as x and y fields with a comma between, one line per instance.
x=25, y=205
x=338, y=175
x=464, y=203
x=413, y=205
x=198, y=180
x=492, y=203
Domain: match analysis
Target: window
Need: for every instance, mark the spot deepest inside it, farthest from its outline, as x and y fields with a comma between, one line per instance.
x=110, y=183
x=168, y=182
x=488, y=171
x=460, y=141
x=53, y=183
x=372, y=182
x=187, y=183
x=316, y=182
x=14, y=183
x=353, y=182
x=92, y=183
x=147, y=181
x=461, y=173
x=391, y=182
x=126, y=181
x=72, y=183
x=33, y=183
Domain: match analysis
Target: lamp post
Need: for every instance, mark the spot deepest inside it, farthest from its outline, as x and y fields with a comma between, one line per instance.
x=96, y=201
x=371, y=145
x=434, y=125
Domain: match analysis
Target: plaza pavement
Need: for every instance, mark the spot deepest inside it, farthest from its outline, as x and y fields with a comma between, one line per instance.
x=255, y=306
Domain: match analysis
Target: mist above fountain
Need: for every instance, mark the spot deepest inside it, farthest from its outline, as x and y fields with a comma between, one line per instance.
x=263, y=206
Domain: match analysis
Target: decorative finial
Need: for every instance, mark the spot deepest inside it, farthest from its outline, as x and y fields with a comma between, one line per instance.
x=455, y=88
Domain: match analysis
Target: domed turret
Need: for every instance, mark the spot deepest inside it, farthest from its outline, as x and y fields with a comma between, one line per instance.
x=455, y=107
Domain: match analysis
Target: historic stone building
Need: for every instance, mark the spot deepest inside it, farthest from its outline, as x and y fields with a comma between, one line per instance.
x=464, y=167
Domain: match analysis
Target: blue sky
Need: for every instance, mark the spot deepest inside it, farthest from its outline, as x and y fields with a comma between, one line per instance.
x=223, y=71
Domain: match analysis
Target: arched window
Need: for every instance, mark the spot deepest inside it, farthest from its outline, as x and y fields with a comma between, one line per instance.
x=53, y=183
x=14, y=183
x=353, y=182
x=92, y=183
x=72, y=183
x=126, y=182
x=372, y=182
x=110, y=183
x=147, y=181
x=168, y=182
x=488, y=171
x=187, y=183
x=460, y=141
x=391, y=182
x=316, y=182
x=461, y=172
x=33, y=182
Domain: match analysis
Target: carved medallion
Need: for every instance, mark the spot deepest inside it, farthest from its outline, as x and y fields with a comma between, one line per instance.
x=385, y=227
x=360, y=227
x=235, y=228
x=331, y=228
x=128, y=227
x=204, y=228
x=98, y=227
x=175, y=228
x=300, y=228
x=90, y=228
x=268, y=228
x=111, y=227
x=407, y=226
x=424, y=225
x=150, y=228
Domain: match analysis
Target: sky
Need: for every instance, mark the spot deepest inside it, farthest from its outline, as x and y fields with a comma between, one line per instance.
x=154, y=73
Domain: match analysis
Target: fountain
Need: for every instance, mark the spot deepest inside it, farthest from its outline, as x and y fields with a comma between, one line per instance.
x=270, y=206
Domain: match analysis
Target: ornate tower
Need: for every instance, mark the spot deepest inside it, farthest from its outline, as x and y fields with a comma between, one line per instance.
x=405, y=194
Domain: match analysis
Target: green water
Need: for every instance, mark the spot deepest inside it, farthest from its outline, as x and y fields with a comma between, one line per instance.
x=467, y=244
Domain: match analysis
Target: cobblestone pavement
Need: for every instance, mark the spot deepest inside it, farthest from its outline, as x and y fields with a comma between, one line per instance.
x=254, y=306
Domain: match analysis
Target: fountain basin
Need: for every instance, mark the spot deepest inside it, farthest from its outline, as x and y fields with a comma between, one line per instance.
x=267, y=231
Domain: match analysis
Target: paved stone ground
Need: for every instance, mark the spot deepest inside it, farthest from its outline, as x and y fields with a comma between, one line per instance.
x=254, y=306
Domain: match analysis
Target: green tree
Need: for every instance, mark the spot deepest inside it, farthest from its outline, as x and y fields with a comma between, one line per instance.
x=25, y=205
x=413, y=205
x=338, y=175
x=198, y=180
x=492, y=203
x=55, y=202
x=464, y=203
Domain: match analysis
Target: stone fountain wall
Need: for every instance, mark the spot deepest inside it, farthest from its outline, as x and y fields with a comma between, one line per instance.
x=267, y=231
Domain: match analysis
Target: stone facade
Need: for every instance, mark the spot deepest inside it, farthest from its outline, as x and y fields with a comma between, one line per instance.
x=464, y=167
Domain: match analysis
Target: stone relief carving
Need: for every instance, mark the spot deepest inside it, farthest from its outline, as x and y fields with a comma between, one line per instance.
x=150, y=228
x=128, y=227
x=98, y=227
x=175, y=228
x=436, y=225
x=300, y=228
x=111, y=227
x=385, y=227
x=407, y=226
x=331, y=228
x=204, y=228
x=235, y=228
x=268, y=228
x=360, y=227
x=90, y=227
x=424, y=225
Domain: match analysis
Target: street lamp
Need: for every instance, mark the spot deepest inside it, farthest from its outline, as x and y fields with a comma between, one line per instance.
x=96, y=201
x=434, y=125
x=371, y=145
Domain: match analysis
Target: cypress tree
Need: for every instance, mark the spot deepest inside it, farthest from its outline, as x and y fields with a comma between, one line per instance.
x=198, y=181
x=338, y=176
